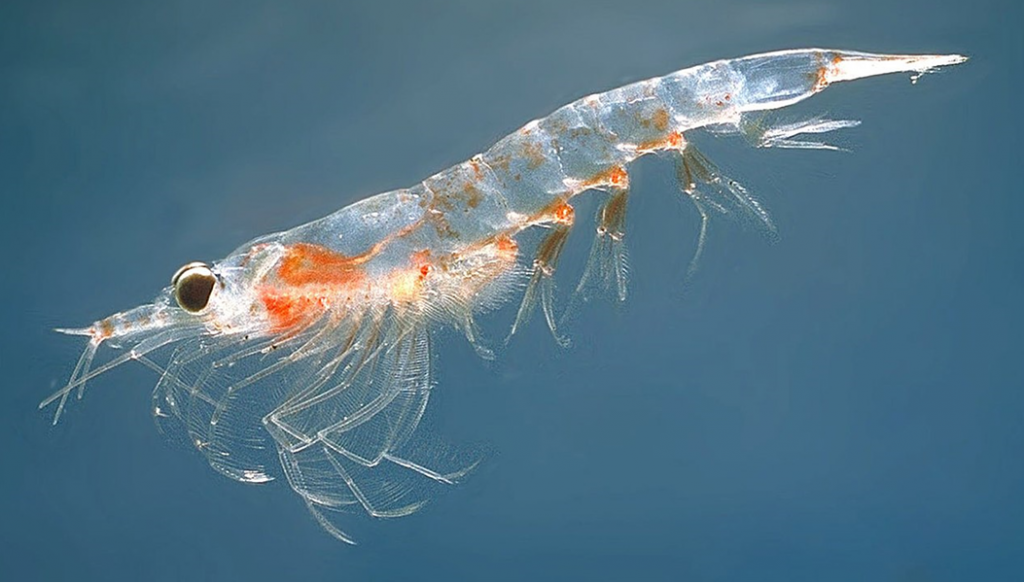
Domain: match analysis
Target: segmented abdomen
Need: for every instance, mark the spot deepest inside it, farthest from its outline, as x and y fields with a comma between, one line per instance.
x=576, y=148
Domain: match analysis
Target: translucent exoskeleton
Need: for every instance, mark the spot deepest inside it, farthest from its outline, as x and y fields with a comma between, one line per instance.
x=306, y=353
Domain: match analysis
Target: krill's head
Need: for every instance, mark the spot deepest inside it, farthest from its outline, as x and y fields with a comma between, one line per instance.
x=202, y=300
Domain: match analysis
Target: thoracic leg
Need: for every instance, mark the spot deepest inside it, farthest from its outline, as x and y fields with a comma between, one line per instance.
x=607, y=265
x=449, y=478
x=542, y=280
x=781, y=136
x=709, y=189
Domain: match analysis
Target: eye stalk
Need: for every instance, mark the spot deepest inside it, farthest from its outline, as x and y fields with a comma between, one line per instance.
x=193, y=284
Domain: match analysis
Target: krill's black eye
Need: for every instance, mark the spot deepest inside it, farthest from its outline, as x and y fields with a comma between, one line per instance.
x=193, y=285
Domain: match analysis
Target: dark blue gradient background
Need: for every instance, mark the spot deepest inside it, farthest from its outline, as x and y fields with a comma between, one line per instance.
x=845, y=403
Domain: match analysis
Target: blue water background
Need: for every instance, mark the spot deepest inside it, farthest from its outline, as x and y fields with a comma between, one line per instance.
x=846, y=402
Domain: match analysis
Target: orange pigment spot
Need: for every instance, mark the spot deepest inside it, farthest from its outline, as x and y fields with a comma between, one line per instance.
x=534, y=154
x=506, y=244
x=421, y=259
x=478, y=173
x=307, y=275
x=615, y=176
x=669, y=142
x=421, y=256
x=564, y=214
x=820, y=76
x=288, y=310
x=473, y=196
x=821, y=79
x=660, y=119
x=305, y=264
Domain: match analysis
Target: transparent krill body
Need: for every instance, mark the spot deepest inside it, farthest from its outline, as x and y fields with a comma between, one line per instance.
x=306, y=354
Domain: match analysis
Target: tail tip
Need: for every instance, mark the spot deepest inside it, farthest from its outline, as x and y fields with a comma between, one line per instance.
x=75, y=331
x=850, y=66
